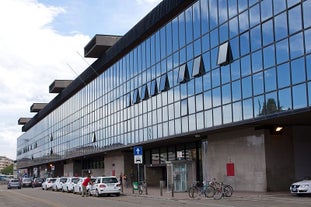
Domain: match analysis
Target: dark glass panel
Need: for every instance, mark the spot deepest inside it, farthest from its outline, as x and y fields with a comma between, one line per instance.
x=164, y=84
x=248, y=109
x=285, y=99
x=153, y=88
x=176, y=59
x=224, y=54
x=246, y=87
x=236, y=90
x=280, y=26
x=296, y=45
x=269, y=58
x=309, y=93
x=207, y=61
x=299, y=96
x=294, y=19
x=255, y=38
x=282, y=52
x=163, y=43
x=136, y=97
x=214, y=54
x=198, y=67
x=283, y=73
x=298, y=71
x=169, y=39
x=258, y=83
x=270, y=80
x=183, y=75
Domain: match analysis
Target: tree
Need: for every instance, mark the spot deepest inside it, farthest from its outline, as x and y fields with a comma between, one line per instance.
x=8, y=170
x=270, y=107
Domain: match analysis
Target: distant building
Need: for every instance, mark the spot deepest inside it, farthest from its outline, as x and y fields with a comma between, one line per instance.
x=4, y=162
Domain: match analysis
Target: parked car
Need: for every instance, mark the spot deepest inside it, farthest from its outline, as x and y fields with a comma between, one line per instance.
x=106, y=185
x=37, y=182
x=48, y=183
x=26, y=182
x=58, y=184
x=14, y=183
x=77, y=188
x=301, y=187
x=69, y=184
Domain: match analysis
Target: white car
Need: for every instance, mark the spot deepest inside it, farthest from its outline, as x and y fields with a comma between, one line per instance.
x=106, y=185
x=69, y=184
x=48, y=183
x=77, y=188
x=58, y=184
x=301, y=187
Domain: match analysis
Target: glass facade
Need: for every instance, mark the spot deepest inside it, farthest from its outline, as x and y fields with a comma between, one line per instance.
x=217, y=62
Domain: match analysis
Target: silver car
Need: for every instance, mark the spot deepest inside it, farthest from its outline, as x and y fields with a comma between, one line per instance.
x=106, y=185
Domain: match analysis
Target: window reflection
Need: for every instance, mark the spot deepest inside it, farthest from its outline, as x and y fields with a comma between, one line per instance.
x=298, y=71
x=280, y=23
x=283, y=72
x=285, y=99
x=248, y=109
x=227, y=114
x=294, y=19
x=299, y=96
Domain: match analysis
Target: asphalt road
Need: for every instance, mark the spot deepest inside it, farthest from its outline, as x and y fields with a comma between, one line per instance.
x=40, y=198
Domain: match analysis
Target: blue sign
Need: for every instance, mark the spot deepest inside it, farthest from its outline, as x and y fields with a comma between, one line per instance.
x=138, y=150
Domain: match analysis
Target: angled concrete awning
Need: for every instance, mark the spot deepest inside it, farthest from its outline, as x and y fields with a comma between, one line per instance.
x=36, y=107
x=23, y=120
x=58, y=85
x=99, y=44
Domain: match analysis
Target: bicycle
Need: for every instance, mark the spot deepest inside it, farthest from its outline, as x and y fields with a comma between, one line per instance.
x=141, y=187
x=222, y=190
x=199, y=189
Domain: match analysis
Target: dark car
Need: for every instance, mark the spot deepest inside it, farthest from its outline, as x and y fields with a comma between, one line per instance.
x=14, y=183
x=26, y=182
x=37, y=182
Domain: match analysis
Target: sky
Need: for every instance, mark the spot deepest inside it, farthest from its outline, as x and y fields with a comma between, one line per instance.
x=42, y=41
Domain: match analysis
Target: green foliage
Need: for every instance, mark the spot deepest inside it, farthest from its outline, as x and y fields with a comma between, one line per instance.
x=8, y=170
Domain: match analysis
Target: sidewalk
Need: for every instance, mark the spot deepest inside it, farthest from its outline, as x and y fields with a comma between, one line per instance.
x=154, y=192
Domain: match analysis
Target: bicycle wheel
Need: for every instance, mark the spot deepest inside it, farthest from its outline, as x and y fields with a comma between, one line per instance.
x=228, y=190
x=209, y=191
x=218, y=194
x=193, y=192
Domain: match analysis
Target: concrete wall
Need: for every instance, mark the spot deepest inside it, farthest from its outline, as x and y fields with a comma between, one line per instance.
x=114, y=164
x=68, y=169
x=279, y=160
x=302, y=146
x=245, y=149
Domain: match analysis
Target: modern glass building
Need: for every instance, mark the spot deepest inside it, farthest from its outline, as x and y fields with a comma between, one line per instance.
x=209, y=89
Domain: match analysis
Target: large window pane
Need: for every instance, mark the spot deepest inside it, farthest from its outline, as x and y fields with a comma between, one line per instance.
x=257, y=61
x=306, y=13
x=200, y=120
x=245, y=66
x=280, y=24
x=246, y=87
x=208, y=115
x=298, y=71
x=308, y=40
x=279, y=5
x=258, y=83
x=283, y=73
x=296, y=46
x=294, y=19
x=226, y=94
x=270, y=79
x=269, y=58
x=244, y=43
x=254, y=15
x=216, y=97
x=237, y=111
x=227, y=114
x=267, y=32
x=248, y=109
x=282, y=53
x=217, y=116
x=235, y=70
x=308, y=64
x=255, y=38
x=266, y=9
x=299, y=96
x=236, y=90
x=207, y=100
x=285, y=100
x=216, y=77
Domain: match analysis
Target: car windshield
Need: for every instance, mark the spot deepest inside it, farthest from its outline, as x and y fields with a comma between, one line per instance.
x=109, y=180
x=14, y=180
x=26, y=179
x=63, y=180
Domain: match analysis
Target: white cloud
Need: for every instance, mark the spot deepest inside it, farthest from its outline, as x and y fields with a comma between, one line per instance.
x=32, y=56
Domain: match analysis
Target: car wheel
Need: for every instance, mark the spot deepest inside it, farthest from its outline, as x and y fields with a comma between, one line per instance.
x=96, y=193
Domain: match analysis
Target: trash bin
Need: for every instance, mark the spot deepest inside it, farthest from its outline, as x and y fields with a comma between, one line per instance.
x=135, y=185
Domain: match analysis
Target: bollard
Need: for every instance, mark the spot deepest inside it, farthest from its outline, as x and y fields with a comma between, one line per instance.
x=173, y=189
x=146, y=188
x=161, y=187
